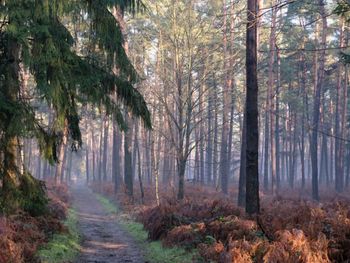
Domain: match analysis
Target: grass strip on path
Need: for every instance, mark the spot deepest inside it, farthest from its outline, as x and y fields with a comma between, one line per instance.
x=154, y=250
x=63, y=247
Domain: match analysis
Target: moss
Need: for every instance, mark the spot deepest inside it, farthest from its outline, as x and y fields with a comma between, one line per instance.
x=62, y=247
x=154, y=250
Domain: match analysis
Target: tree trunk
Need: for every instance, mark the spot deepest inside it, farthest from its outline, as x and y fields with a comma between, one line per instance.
x=128, y=178
x=61, y=153
x=116, y=167
x=277, y=124
x=216, y=133
x=87, y=151
x=338, y=106
x=136, y=145
x=224, y=162
x=271, y=98
x=317, y=100
x=209, y=149
x=242, y=169
x=105, y=147
x=252, y=132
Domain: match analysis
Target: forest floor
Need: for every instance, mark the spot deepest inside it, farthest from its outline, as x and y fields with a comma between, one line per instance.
x=103, y=239
x=291, y=227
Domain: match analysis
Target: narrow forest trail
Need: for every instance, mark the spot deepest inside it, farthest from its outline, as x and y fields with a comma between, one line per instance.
x=103, y=240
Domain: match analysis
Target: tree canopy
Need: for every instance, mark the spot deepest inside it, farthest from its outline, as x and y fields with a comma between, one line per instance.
x=69, y=67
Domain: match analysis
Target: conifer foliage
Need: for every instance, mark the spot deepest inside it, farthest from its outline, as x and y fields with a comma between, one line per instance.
x=69, y=69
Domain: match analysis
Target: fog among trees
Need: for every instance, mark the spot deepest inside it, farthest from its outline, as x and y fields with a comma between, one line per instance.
x=182, y=113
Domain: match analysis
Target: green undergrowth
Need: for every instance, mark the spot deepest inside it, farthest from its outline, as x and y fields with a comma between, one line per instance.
x=63, y=247
x=154, y=250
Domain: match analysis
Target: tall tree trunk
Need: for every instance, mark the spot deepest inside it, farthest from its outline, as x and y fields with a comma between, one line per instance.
x=266, y=145
x=10, y=90
x=277, y=124
x=139, y=173
x=116, y=167
x=252, y=132
x=61, y=153
x=128, y=178
x=93, y=150
x=87, y=151
x=242, y=169
x=216, y=133
x=304, y=108
x=100, y=155
x=209, y=149
x=317, y=100
x=134, y=151
x=271, y=94
x=337, y=129
x=331, y=150
x=224, y=162
x=105, y=147
x=293, y=152
x=155, y=164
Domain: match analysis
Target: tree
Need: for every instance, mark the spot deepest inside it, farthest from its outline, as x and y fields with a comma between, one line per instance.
x=317, y=103
x=251, y=112
x=65, y=77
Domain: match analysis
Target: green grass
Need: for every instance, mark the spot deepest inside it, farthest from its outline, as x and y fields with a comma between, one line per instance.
x=62, y=247
x=109, y=206
x=154, y=251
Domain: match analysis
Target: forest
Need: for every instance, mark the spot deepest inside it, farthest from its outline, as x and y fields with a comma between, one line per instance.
x=174, y=131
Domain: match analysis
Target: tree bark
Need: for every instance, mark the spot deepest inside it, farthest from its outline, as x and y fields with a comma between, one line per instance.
x=224, y=162
x=317, y=100
x=242, y=169
x=61, y=153
x=252, y=132
x=128, y=178
x=116, y=167
x=105, y=147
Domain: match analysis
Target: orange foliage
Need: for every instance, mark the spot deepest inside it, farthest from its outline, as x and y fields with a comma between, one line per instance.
x=293, y=247
x=214, y=251
x=22, y=234
x=291, y=227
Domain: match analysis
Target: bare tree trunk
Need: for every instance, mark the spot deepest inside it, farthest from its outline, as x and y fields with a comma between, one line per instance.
x=224, y=162
x=304, y=108
x=252, y=132
x=136, y=145
x=271, y=98
x=266, y=145
x=216, y=133
x=316, y=107
x=100, y=155
x=242, y=169
x=116, y=167
x=209, y=149
x=340, y=119
x=331, y=150
x=61, y=153
x=347, y=172
x=196, y=159
x=147, y=154
x=105, y=147
x=134, y=152
x=128, y=178
x=87, y=151
x=155, y=164
x=293, y=152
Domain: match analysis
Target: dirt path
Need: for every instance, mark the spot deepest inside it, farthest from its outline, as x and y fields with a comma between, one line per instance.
x=104, y=240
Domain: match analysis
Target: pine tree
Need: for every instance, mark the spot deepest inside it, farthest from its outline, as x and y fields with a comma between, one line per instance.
x=68, y=72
